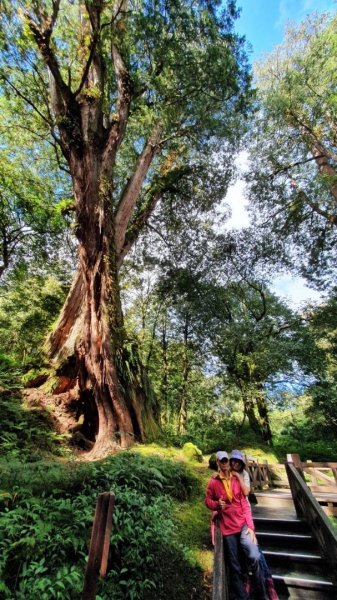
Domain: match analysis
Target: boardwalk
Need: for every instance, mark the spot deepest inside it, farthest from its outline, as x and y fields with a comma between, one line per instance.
x=292, y=553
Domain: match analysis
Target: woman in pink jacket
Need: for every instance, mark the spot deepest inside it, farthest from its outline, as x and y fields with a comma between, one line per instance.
x=224, y=495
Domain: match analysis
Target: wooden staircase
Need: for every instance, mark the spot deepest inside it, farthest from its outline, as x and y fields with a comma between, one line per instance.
x=292, y=553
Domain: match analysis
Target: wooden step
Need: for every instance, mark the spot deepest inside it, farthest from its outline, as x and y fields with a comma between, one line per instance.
x=283, y=525
x=271, y=540
x=273, y=499
x=292, y=553
x=303, y=564
x=296, y=587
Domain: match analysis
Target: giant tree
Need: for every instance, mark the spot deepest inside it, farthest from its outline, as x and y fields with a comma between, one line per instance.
x=135, y=96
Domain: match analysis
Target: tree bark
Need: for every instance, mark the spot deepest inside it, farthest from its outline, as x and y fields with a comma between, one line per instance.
x=248, y=404
x=89, y=337
x=183, y=414
x=164, y=376
x=266, y=433
x=102, y=325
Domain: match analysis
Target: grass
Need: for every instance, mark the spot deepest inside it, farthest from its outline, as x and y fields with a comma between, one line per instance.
x=192, y=516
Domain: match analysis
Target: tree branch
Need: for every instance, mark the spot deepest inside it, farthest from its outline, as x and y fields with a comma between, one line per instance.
x=135, y=226
x=94, y=11
x=314, y=205
x=118, y=126
x=21, y=95
x=133, y=187
x=295, y=164
x=263, y=311
x=42, y=39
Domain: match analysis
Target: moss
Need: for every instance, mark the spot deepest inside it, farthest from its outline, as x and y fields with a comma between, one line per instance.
x=192, y=452
x=35, y=377
x=151, y=427
x=51, y=384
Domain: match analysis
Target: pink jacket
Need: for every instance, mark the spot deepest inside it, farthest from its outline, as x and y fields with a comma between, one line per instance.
x=236, y=514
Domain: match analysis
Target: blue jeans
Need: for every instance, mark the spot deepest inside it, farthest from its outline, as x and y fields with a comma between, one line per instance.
x=233, y=543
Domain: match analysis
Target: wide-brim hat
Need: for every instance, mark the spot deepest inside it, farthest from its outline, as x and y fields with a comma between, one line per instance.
x=236, y=454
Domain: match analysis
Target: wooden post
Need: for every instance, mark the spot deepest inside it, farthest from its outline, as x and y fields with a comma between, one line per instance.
x=259, y=476
x=99, y=544
x=312, y=474
x=269, y=480
x=334, y=471
x=296, y=461
x=220, y=583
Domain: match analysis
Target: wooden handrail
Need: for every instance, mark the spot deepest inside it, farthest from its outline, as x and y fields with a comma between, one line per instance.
x=220, y=579
x=307, y=507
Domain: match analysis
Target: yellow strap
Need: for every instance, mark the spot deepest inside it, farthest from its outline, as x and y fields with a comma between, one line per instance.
x=228, y=487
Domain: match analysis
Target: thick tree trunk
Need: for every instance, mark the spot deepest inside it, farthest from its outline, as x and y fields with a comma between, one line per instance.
x=248, y=405
x=60, y=344
x=102, y=332
x=266, y=433
x=87, y=343
x=259, y=425
x=89, y=337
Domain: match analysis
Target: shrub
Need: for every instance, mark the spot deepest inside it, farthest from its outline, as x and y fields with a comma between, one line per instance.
x=25, y=434
x=48, y=512
x=192, y=452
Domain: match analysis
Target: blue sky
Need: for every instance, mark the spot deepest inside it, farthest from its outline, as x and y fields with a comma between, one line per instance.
x=263, y=21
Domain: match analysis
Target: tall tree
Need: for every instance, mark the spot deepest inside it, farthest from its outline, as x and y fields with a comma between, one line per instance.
x=323, y=408
x=252, y=333
x=257, y=338
x=293, y=168
x=135, y=95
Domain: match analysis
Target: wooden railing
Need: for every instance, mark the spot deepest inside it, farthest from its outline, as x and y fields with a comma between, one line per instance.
x=220, y=570
x=307, y=507
x=262, y=474
x=322, y=485
x=318, y=473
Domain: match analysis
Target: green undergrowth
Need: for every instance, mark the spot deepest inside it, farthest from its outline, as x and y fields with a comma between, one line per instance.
x=26, y=434
x=191, y=516
x=47, y=513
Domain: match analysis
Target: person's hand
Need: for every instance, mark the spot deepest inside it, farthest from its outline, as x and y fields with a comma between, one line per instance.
x=236, y=474
x=251, y=532
x=222, y=504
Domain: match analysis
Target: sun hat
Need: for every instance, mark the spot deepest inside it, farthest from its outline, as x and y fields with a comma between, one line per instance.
x=236, y=454
x=221, y=454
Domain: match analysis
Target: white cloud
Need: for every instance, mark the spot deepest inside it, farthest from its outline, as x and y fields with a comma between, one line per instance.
x=237, y=203
x=235, y=198
x=294, y=291
x=284, y=12
x=295, y=10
